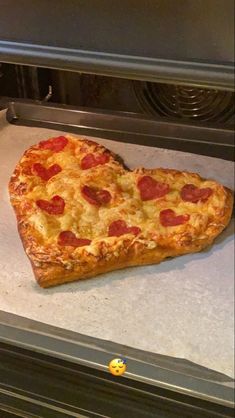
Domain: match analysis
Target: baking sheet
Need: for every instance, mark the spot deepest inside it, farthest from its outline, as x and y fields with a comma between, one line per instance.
x=183, y=307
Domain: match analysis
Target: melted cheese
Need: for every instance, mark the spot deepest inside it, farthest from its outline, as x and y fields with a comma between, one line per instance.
x=92, y=222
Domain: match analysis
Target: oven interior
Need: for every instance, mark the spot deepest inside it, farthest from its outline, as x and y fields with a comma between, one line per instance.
x=182, y=103
x=179, y=104
x=169, y=85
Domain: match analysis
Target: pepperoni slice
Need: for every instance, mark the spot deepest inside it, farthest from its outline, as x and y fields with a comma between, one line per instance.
x=69, y=238
x=54, y=144
x=191, y=193
x=54, y=207
x=92, y=160
x=96, y=197
x=151, y=189
x=118, y=228
x=46, y=173
x=169, y=218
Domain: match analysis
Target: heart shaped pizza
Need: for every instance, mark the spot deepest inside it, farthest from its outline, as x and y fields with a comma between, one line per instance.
x=80, y=213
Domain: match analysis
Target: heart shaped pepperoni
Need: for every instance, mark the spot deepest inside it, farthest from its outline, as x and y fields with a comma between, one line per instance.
x=69, y=238
x=54, y=207
x=191, y=193
x=96, y=197
x=151, y=189
x=118, y=228
x=169, y=218
x=92, y=160
x=54, y=144
x=46, y=173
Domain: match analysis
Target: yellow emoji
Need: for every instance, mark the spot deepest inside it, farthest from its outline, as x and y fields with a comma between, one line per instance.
x=117, y=366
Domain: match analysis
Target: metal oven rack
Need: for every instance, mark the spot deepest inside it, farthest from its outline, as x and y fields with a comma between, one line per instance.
x=59, y=372
x=215, y=141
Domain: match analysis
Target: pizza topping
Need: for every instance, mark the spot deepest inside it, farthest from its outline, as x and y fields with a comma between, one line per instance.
x=26, y=170
x=191, y=193
x=151, y=189
x=88, y=143
x=169, y=218
x=54, y=144
x=46, y=173
x=54, y=207
x=92, y=160
x=118, y=228
x=69, y=238
x=95, y=196
x=21, y=188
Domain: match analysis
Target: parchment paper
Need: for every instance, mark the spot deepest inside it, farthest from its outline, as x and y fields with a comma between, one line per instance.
x=182, y=307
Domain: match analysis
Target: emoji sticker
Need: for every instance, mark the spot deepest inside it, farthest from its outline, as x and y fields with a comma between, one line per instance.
x=117, y=366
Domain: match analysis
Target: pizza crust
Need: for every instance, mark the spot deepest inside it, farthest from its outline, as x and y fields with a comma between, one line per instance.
x=53, y=265
x=49, y=274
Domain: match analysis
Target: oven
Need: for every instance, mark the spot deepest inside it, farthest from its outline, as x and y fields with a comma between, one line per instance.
x=154, y=82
